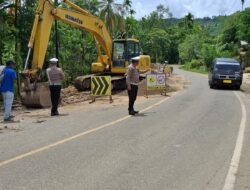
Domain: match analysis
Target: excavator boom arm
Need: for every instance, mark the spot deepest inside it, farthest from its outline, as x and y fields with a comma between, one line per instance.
x=92, y=24
x=46, y=13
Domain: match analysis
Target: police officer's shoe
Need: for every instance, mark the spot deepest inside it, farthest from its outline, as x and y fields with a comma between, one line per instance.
x=136, y=112
x=131, y=113
x=54, y=113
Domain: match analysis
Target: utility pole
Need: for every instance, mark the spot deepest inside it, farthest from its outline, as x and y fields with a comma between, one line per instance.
x=17, y=46
x=56, y=33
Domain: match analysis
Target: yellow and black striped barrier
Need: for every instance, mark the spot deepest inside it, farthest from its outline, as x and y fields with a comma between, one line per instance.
x=101, y=86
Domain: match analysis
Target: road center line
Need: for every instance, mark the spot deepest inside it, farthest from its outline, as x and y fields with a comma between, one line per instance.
x=33, y=152
x=233, y=169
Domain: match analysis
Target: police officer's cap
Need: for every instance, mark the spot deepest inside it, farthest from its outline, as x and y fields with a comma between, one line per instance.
x=135, y=59
x=53, y=60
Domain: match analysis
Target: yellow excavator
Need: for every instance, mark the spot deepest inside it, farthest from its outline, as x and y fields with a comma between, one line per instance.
x=113, y=55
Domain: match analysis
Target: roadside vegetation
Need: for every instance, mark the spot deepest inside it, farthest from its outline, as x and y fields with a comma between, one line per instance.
x=192, y=42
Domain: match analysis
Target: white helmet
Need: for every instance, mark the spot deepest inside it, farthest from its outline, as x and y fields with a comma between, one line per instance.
x=53, y=60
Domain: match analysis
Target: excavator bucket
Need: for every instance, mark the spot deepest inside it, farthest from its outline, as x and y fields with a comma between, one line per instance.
x=37, y=97
x=82, y=83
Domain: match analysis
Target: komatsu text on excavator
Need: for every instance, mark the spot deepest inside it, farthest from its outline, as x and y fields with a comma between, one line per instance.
x=113, y=55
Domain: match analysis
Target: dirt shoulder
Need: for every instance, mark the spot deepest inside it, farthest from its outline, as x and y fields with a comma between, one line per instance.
x=73, y=100
x=245, y=87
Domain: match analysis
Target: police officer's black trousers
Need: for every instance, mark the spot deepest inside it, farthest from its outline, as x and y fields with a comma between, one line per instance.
x=55, y=91
x=132, y=94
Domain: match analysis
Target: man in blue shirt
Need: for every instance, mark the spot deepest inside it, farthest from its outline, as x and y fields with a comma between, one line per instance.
x=7, y=89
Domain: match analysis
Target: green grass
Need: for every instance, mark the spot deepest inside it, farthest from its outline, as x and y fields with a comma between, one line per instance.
x=247, y=70
x=194, y=70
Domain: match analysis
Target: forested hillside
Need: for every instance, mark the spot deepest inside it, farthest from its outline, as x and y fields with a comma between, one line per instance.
x=189, y=41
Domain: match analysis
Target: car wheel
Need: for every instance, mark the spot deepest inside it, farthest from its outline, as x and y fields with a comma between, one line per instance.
x=210, y=84
x=237, y=87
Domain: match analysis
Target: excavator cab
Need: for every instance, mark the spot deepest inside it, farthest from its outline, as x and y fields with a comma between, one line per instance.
x=123, y=51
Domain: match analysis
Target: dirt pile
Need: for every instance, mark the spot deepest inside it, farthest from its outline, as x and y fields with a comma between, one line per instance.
x=71, y=95
x=245, y=87
x=174, y=83
x=17, y=105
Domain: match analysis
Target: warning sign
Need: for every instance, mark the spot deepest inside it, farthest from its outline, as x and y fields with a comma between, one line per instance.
x=101, y=86
x=156, y=81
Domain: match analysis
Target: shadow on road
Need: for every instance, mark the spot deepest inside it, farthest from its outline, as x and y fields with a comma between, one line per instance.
x=144, y=114
x=225, y=88
x=62, y=114
x=140, y=115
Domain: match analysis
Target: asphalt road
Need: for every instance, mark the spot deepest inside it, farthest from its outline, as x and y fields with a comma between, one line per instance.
x=184, y=143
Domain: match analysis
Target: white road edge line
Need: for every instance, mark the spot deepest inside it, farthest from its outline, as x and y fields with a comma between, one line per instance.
x=233, y=169
x=38, y=150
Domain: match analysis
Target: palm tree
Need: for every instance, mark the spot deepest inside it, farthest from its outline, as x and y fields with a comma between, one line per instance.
x=91, y=6
x=132, y=12
x=127, y=6
x=111, y=14
x=242, y=3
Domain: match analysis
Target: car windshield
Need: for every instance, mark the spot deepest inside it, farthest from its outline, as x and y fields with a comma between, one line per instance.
x=228, y=67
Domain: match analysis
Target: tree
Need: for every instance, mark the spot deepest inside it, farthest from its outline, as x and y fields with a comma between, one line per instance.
x=26, y=15
x=131, y=27
x=156, y=44
x=163, y=12
x=110, y=13
x=130, y=22
x=127, y=6
x=230, y=30
x=89, y=5
x=173, y=52
x=132, y=12
x=157, y=18
x=187, y=26
x=208, y=53
x=242, y=3
x=229, y=35
x=191, y=48
x=189, y=21
x=7, y=31
x=244, y=25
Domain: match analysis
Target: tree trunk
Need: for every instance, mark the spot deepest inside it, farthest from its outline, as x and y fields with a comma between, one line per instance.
x=17, y=48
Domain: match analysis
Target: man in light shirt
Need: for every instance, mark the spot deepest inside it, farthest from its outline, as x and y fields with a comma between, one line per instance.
x=133, y=79
x=55, y=76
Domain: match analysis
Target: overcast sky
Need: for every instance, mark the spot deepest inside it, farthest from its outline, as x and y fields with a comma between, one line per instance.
x=199, y=8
